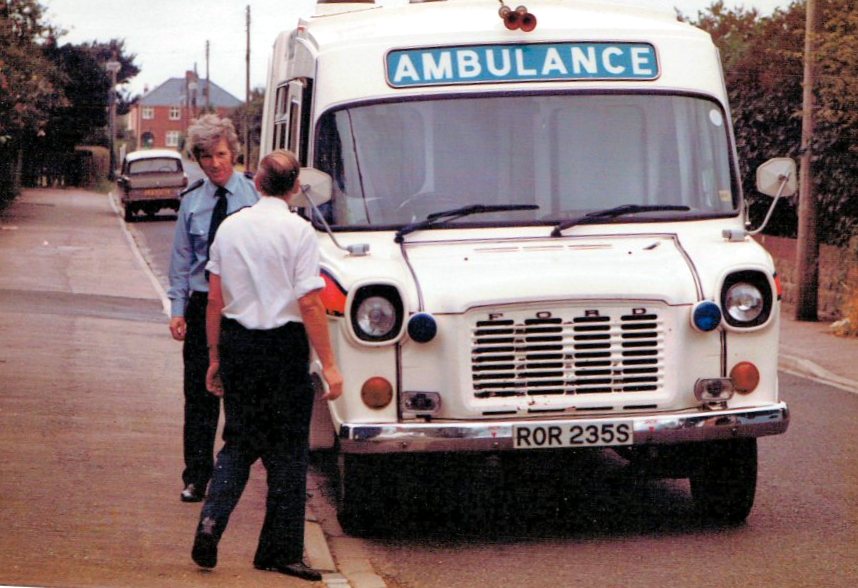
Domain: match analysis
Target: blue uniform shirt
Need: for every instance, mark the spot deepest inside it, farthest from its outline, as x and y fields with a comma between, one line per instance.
x=190, y=243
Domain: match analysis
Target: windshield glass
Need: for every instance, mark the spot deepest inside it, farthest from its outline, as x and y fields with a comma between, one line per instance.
x=396, y=163
x=151, y=165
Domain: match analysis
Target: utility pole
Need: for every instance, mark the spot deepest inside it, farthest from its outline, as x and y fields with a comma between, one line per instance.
x=807, y=248
x=247, y=97
x=208, y=86
x=113, y=66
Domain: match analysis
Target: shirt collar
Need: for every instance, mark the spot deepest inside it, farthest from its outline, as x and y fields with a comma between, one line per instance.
x=231, y=185
x=272, y=203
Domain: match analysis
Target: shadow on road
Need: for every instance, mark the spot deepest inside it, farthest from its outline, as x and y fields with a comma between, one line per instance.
x=154, y=218
x=486, y=498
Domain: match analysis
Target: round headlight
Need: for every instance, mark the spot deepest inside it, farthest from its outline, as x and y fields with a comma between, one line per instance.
x=744, y=302
x=376, y=317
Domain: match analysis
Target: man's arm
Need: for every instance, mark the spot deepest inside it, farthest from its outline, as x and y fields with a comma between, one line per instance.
x=316, y=325
x=180, y=270
x=213, y=316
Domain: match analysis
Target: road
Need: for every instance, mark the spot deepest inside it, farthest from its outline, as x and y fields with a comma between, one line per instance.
x=579, y=520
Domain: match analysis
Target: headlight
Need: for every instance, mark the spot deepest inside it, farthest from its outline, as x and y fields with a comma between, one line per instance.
x=747, y=299
x=744, y=302
x=377, y=313
x=376, y=316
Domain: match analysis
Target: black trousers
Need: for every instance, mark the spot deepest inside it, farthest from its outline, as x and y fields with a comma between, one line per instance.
x=268, y=401
x=202, y=409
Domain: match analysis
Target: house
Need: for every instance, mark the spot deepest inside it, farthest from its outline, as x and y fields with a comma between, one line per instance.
x=161, y=117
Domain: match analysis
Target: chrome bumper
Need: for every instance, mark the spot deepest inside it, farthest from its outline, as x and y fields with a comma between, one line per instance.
x=662, y=429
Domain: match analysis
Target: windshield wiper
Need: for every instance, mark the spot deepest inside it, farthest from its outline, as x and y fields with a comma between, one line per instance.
x=614, y=212
x=439, y=218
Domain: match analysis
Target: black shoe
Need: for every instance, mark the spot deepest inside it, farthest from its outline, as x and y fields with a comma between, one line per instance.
x=192, y=493
x=298, y=569
x=204, y=552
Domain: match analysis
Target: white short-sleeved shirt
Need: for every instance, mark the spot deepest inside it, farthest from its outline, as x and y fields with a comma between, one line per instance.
x=267, y=258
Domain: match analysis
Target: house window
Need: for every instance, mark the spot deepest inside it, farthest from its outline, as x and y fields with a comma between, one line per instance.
x=175, y=113
x=148, y=113
x=172, y=138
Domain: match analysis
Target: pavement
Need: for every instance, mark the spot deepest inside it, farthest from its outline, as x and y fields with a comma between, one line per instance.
x=90, y=415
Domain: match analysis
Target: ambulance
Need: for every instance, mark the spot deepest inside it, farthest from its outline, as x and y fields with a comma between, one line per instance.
x=533, y=238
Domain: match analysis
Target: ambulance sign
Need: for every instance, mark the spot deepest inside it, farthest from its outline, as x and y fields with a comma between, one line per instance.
x=521, y=63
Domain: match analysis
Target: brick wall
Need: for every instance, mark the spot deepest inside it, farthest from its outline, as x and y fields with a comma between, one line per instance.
x=838, y=273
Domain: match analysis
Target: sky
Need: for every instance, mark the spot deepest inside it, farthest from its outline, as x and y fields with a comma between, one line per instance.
x=169, y=37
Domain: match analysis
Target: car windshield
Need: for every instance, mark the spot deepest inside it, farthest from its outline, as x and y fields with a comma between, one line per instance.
x=151, y=165
x=396, y=163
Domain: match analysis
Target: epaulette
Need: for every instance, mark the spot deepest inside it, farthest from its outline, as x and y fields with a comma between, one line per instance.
x=248, y=174
x=193, y=186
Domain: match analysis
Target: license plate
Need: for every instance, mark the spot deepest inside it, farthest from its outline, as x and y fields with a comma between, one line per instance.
x=158, y=192
x=582, y=434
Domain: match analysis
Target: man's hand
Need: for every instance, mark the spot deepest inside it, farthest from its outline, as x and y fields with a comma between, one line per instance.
x=178, y=328
x=334, y=379
x=213, y=382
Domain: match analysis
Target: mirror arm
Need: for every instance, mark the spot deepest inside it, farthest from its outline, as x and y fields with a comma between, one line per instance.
x=784, y=179
x=358, y=250
x=739, y=235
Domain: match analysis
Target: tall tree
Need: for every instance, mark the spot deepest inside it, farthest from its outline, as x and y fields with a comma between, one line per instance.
x=84, y=117
x=29, y=86
x=763, y=64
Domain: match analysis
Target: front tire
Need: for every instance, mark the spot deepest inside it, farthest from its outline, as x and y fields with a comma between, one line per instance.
x=359, y=486
x=129, y=214
x=725, y=481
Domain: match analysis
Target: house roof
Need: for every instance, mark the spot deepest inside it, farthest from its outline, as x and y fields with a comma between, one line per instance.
x=172, y=93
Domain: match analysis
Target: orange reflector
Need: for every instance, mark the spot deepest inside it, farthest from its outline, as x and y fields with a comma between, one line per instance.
x=779, y=287
x=333, y=296
x=745, y=376
x=376, y=392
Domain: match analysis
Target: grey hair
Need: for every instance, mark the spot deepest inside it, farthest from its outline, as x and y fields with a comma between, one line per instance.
x=206, y=132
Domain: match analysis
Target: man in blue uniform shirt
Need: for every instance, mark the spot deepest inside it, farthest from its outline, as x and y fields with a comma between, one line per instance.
x=214, y=145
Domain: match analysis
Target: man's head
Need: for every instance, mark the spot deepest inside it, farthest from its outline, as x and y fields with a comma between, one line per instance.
x=278, y=174
x=214, y=144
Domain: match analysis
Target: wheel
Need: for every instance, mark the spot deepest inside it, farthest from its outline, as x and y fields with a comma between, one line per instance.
x=129, y=214
x=725, y=481
x=359, y=487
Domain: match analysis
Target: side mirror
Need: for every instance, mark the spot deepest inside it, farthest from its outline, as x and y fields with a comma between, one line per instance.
x=316, y=186
x=777, y=177
x=316, y=189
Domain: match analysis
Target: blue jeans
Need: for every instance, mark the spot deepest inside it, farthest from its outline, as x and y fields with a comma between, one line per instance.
x=268, y=401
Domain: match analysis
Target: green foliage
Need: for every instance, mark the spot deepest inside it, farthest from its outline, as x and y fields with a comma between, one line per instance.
x=763, y=61
x=251, y=112
x=28, y=81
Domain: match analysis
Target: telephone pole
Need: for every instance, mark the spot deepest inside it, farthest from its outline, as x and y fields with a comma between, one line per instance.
x=247, y=97
x=807, y=249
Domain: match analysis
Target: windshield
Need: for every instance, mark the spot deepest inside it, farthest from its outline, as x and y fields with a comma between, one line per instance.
x=151, y=165
x=396, y=163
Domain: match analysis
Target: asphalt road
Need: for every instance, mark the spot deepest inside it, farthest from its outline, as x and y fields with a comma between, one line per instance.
x=580, y=520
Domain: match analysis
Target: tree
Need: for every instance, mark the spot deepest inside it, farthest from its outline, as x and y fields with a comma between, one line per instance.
x=763, y=64
x=29, y=85
x=84, y=117
x=252, y=113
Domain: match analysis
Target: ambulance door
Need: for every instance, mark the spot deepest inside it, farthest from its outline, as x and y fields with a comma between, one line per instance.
x=291, y=118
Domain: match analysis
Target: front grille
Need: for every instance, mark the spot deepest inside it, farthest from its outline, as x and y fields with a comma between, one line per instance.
x=568, y=351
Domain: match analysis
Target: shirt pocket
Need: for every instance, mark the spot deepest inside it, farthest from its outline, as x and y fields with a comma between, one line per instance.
x=199, y=235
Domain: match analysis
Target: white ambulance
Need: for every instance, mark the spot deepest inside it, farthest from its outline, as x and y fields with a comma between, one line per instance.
x=533, y=237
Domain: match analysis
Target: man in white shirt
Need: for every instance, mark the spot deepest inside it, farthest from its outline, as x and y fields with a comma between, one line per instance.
x=264, y=312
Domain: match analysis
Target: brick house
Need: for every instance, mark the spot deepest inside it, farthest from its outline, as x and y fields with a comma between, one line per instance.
x=161, y=117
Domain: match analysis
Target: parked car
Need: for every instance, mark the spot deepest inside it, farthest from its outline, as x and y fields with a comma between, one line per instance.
x=150, y=180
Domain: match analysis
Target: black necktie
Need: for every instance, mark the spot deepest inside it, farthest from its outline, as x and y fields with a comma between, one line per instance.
x=218, y=214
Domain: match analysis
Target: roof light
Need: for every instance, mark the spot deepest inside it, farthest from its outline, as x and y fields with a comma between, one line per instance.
x=519, y=18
